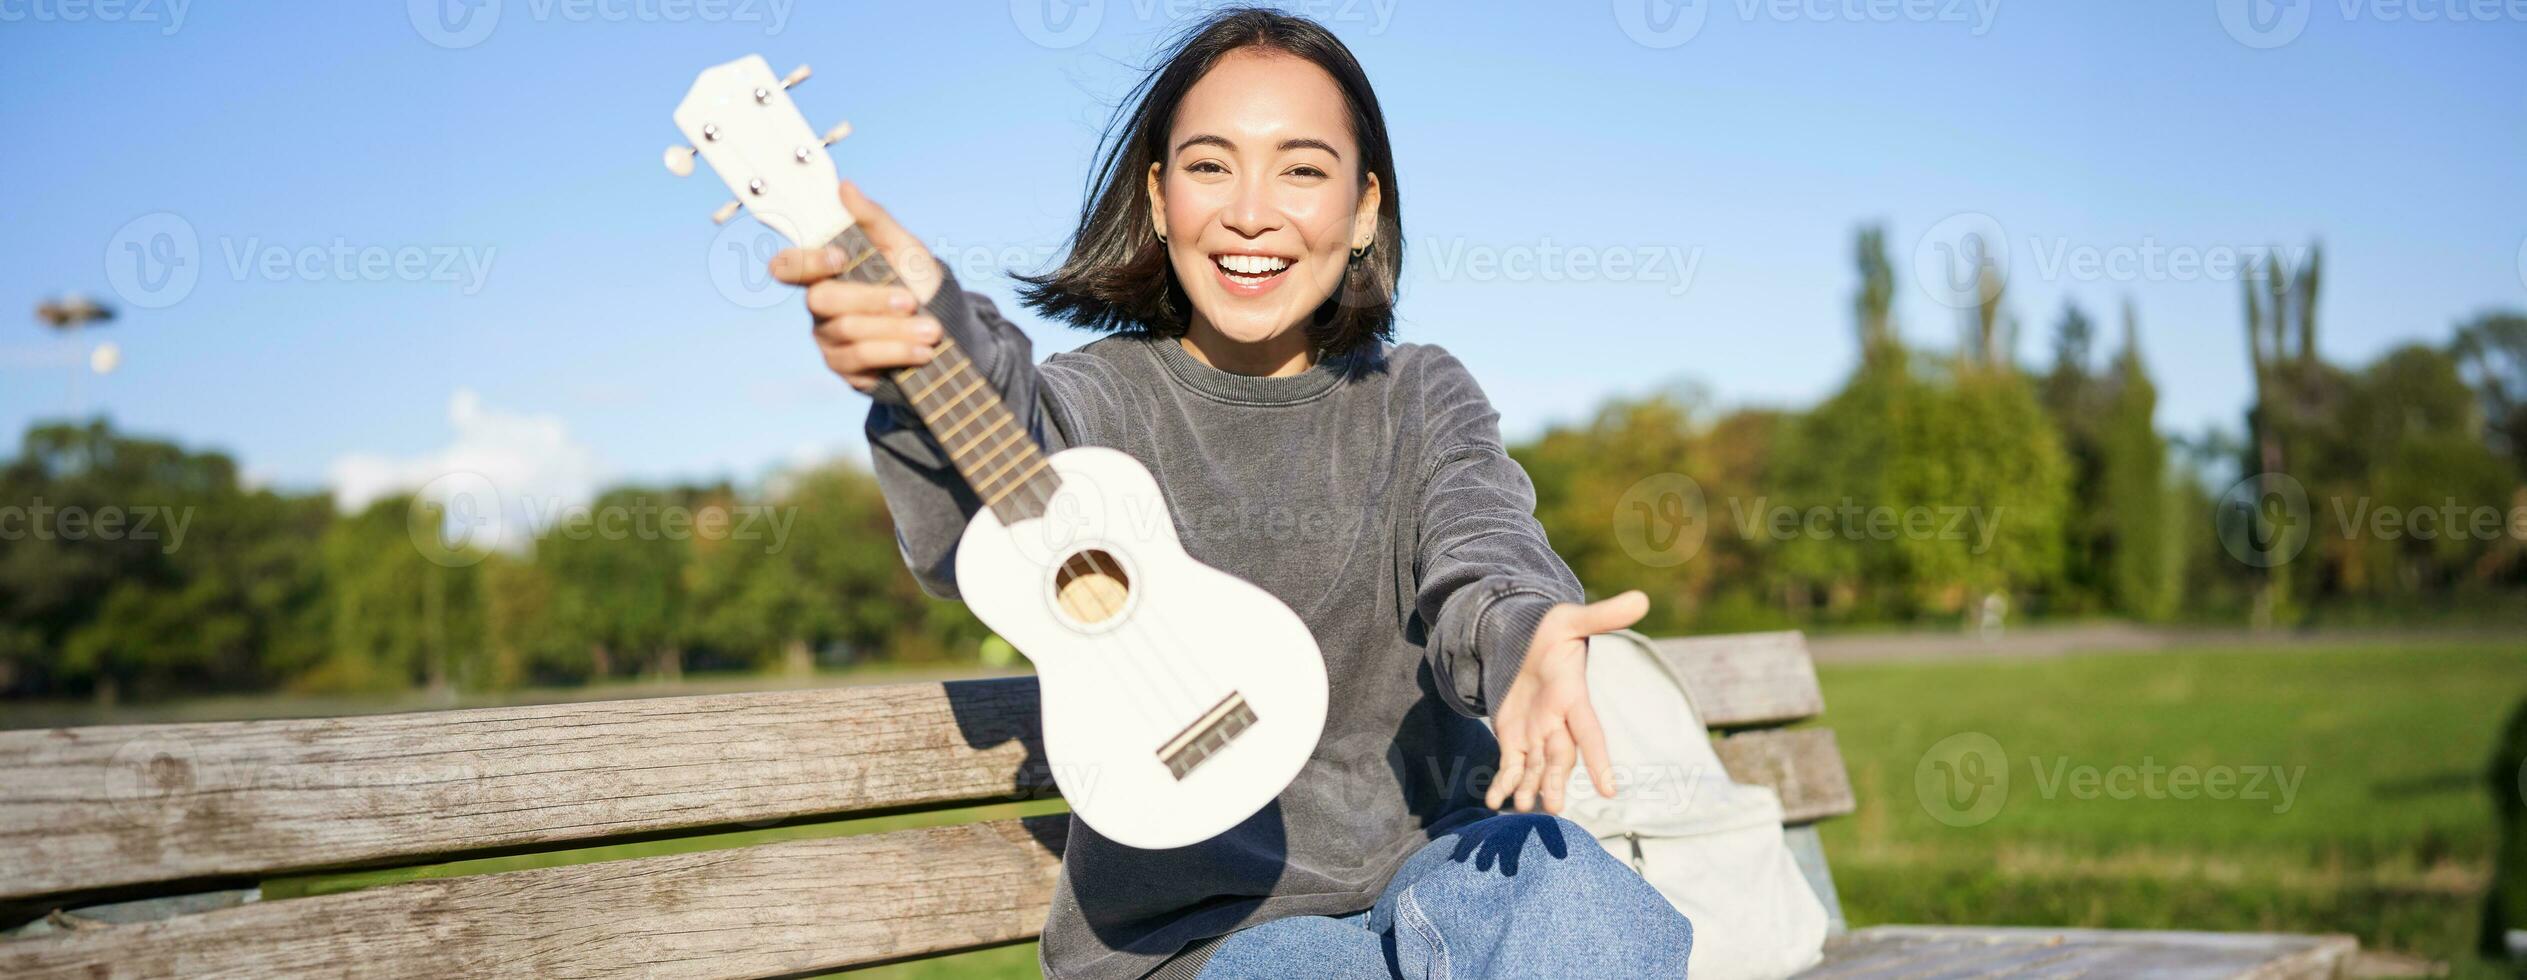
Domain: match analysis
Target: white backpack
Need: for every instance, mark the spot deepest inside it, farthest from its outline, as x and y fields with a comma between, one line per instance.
x=1712, y=846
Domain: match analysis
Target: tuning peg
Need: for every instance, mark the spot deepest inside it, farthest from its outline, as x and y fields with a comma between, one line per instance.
x=836, y=134
x=796, y=75
x=680, y=160
x=725, y=212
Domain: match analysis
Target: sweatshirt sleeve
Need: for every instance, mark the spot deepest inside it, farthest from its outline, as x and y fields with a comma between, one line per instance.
x=928, y=499
x=1485, y=574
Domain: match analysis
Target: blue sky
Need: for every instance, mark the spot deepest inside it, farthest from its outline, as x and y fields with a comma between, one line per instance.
x=426, y=236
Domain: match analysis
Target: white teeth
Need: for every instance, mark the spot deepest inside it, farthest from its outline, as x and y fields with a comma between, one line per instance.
x=1253, y=265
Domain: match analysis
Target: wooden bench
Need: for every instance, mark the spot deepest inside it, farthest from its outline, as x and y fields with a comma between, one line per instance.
x=148, y=850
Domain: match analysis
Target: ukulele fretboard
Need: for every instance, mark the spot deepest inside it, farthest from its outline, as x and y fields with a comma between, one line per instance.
x=995, y=455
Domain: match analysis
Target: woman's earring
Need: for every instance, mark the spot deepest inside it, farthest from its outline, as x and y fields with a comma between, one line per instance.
x=1361, y=251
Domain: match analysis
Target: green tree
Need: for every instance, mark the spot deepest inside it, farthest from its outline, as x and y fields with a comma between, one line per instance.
x=618, y=572
x=139, y=566
x=2145, y=568
x=2491, y=351
x=398, y=619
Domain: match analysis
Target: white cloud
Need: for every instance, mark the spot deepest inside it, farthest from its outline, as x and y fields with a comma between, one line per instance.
x=527, y=464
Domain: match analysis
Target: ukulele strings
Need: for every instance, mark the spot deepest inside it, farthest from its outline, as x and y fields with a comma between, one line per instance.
x=877, y=271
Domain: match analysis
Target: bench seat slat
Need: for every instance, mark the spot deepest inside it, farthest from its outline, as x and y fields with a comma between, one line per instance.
x=770, y=909
x=1993, y=951
x=86, y=809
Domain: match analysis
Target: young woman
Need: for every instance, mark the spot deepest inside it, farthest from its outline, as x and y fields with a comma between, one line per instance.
x=1243, y=244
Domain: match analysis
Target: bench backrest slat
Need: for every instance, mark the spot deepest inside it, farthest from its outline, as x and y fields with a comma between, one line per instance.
x=105, y=808
x=1748, y=679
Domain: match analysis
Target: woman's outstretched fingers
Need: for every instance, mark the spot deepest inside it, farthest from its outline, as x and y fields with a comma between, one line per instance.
x=1512, y=768
x=1558, y=757
x=1591, y=737
x=1533, y=777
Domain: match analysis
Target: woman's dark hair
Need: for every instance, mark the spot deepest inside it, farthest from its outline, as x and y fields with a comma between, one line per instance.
x=1117, y=276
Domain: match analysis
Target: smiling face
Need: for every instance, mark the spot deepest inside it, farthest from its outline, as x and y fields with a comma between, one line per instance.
x=1260, y=196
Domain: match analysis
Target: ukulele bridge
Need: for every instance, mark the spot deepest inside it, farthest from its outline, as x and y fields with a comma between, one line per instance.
x=1207, y=735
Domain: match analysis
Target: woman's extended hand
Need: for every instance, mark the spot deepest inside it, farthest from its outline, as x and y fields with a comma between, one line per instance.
x=863, y=330
x=1546, y=714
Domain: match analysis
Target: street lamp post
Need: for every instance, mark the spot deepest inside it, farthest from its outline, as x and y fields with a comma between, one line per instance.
x=69, y=315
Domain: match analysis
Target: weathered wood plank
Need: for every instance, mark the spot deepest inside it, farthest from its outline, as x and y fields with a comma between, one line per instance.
x=770, y=909
x=97, y=808
x=1802, y=764
x=1747, y=679
x=1984, y=951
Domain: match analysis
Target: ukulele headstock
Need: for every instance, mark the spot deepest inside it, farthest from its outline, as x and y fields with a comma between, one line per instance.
x=739, y=118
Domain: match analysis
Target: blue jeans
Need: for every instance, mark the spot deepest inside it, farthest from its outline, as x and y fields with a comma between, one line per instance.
x=1512, y=895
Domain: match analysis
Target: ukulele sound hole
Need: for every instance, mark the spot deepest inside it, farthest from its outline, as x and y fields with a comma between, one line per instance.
x=1091, y=587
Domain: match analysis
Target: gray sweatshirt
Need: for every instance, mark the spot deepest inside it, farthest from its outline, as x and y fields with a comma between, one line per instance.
x=1370, y=494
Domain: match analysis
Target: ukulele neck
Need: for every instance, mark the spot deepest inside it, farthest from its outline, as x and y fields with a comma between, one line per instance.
x=982, y=437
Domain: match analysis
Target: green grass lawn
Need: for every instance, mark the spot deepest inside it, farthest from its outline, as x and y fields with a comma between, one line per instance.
x=2371, y=815
x=2388, y=834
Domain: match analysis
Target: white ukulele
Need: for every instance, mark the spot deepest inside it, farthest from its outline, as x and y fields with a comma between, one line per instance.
x=1178, y=699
